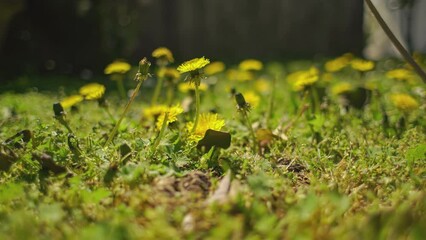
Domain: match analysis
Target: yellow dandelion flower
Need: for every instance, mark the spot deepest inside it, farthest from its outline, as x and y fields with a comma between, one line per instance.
x=362, y=65
x=163, y=53
x=294, y=76
x=240, y=76
x=92, y=91
x=404, y=102
x=118, y=66
x=250, y=65
x=339, y=63
x=313, y=71
x=401, y=74
x=71, y=101
x=214, y=68
x=262, y=85
x=173, y=112
x=348, y=56
x=193, y=65
x=154, y=111
x=168, y=73
x=205, y=122
x=190, y=86
x=341, y=88
x=304, y=82
x=252, y=98
x=303, y=79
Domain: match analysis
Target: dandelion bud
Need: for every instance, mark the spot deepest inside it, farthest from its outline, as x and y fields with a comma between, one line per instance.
x=58, y=110
x=241, y=101
x=144, y=65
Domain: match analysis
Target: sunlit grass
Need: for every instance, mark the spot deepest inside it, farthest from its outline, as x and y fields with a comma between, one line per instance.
x=324, y=150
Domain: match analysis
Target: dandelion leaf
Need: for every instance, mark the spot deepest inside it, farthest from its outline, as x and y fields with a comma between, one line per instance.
x=215, y=138
x=7, y=158
x=47, y=163
x=16, y=140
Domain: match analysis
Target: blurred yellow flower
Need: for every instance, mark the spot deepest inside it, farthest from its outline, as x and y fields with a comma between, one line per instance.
x=118, y=66
x=327, y=77
x=250, y=65
x=173, y=112
x=192, y=65
x=239, y=75
x=262, y=85
x=401, y=74
x=92, y=91
x=205, y=122
x=252, y=98
x=342, y=87
x=371, y=85
x=188, y=86
x=404, y=102
x=154, y=112
x=339, y=63
x=164, y=53
x=168, y=73
x=362, y=65
x=302, y=79
x=214, y=68
x=71, y=101
x=294, y=76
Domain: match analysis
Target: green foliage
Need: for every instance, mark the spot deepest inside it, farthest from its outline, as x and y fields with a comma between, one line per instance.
x=335, y=173
x=416, y=153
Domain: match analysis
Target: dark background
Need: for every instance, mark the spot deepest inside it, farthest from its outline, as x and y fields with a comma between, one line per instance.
x=71, y=37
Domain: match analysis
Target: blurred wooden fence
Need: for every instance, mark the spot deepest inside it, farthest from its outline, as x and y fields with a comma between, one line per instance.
x=90, y=33
x=262, y=28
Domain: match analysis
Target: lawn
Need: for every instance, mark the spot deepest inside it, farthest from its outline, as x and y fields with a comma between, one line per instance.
x=331, y=149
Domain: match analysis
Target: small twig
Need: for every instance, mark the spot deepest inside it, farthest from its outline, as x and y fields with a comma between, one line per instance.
x=395, y=41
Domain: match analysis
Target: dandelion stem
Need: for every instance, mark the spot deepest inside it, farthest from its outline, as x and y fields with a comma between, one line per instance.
x=110, y=114
x=170, y=94
x=197, y=106
x=395, y=41
x=302, y=110
x=160, y=135
x=271, y=102
x=126, y=109
x=121, y=89
x=157, y=91
x=315, y=99
x=249, y=125
x=213, y=95
x=65, y=124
